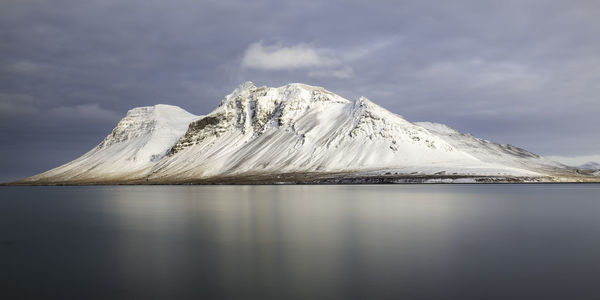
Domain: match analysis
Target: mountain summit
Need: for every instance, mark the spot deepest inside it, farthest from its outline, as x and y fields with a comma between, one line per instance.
x=294, y=133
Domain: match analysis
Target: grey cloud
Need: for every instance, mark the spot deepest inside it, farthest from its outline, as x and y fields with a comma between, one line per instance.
x=522, y=72
x=87, y=112
x=342, y=73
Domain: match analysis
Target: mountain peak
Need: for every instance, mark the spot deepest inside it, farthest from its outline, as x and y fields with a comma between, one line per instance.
x=246, y=86
x=288, y=91
x=157, y=109
x=142, y=121
x=364, y=102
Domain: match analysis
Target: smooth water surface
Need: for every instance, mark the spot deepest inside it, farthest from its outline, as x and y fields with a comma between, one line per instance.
x=301, y=242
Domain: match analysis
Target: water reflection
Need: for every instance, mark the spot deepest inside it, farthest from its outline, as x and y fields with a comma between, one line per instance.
x=303, y=242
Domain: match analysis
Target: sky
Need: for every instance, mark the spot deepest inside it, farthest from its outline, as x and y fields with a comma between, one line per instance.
x=523, y=72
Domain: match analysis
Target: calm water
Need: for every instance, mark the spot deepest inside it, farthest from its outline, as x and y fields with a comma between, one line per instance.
x=301, y=242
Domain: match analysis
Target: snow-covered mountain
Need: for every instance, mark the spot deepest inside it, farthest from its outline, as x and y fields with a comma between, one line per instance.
x=140, y=140
x=294, y=133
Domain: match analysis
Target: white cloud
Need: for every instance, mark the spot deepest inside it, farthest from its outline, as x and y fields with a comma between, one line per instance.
x=276, y=57
x=320, y=62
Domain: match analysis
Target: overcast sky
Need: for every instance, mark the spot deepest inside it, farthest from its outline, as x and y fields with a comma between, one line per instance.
x=514, y=71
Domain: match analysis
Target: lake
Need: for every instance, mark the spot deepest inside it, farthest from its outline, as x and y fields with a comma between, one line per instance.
x=504, y=241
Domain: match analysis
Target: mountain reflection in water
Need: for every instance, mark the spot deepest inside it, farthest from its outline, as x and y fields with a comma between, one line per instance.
x=301, y=242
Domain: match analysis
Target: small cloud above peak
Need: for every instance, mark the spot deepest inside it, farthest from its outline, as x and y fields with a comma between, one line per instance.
x=277, y=57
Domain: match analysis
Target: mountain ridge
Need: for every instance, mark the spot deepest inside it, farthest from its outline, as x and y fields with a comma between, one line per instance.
x=297, y=132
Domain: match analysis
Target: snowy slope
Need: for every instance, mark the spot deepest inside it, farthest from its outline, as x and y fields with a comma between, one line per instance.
x=300, y=128
x=488, y=151
x=140, y=140
x=293, y=129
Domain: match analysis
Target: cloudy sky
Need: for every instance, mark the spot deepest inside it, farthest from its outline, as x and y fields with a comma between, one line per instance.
x=514, y=71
